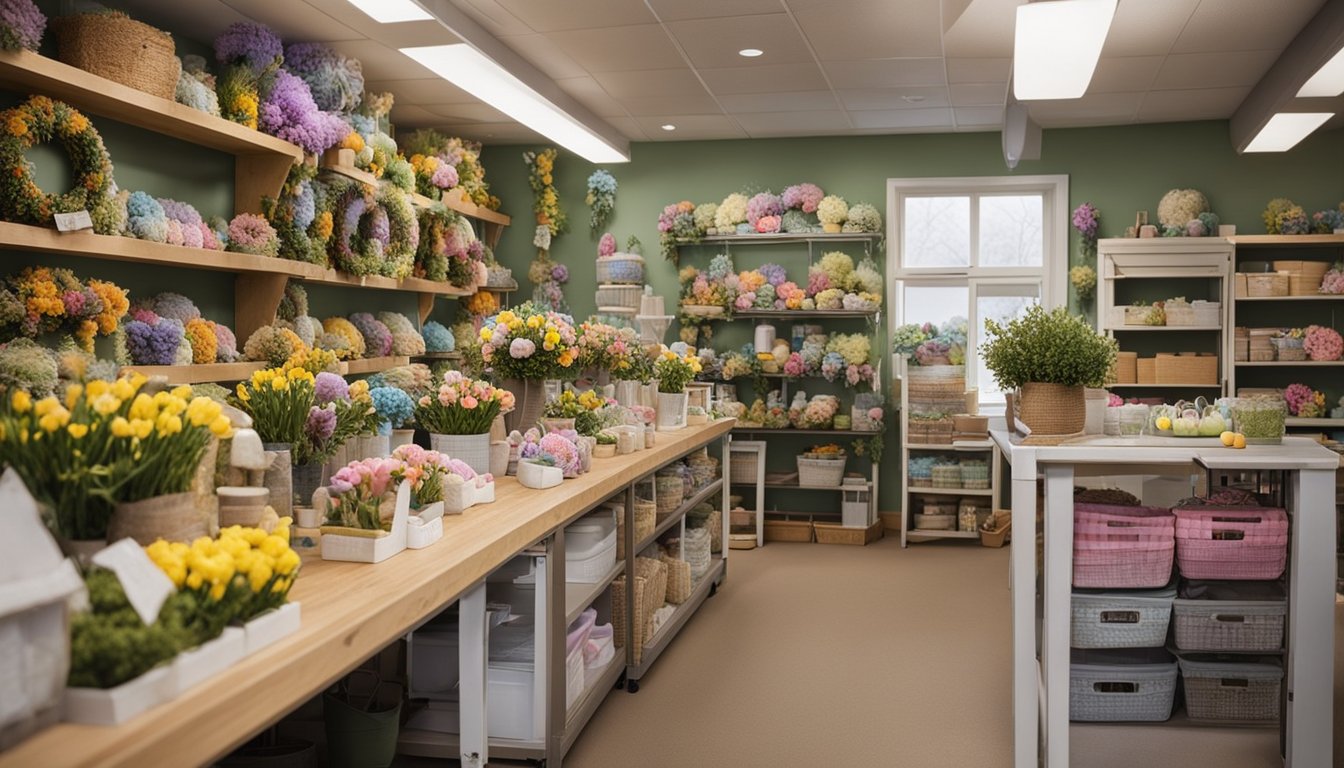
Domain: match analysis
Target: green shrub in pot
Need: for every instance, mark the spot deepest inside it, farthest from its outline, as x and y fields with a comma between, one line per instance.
x=1050, y=356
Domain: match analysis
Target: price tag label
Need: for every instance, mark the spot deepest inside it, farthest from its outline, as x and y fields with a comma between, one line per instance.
x=145, y=585
x=73, y=222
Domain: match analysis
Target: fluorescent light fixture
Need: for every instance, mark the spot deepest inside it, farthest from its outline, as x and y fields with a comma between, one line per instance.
x=750, y=53
x=1328, y=82
x=392, y=11
x=1056, y=47
x=473, y=72
x=1285, y=129
x=668, y=127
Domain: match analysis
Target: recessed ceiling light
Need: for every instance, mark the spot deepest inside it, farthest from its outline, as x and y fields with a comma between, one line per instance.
x=1328, y=81
x=392, y=11
x=1056, y=46
x=912, y=98
x=479, y=75
x=750, y=53
x=1285, y=129
x=669, y=127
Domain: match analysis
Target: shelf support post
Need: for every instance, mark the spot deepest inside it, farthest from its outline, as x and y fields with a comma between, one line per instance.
x=258, y=176
x=256, y=297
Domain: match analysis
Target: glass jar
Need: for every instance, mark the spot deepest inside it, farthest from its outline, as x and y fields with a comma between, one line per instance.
x=1133, y=418
x=1260, y=419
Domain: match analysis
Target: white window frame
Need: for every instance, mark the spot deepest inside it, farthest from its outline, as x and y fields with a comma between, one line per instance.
x=1052, y=275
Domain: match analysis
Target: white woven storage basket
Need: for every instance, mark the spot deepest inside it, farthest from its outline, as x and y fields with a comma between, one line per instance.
x=1121, y=619
x=623, y=268
x=1102, y=688
x=826, y=472
x=626, y=296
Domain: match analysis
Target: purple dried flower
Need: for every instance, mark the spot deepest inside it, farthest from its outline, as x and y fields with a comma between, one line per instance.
x=763, y=204
x=444, y=177
x=1085, y=220
x=288, y=112
x=74, y=303
x=773, y=274
x=320, y=425
x=21, y=25
x=226, y=344
x=246, y=42
x=175, y=306
x=560, y=273
x=328, y=388
x=377, y=337
x=153, y=344
x=805, y=196
x=336, y=80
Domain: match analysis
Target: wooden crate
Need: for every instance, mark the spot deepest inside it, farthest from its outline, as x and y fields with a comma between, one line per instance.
x=1186, y=369
x=1127, y=368
x=833, y=533
x=1146, y=370
x=794, y=531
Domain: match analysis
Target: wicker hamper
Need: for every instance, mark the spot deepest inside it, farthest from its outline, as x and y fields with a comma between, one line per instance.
x=678, y=580
x=121, y=49
x=650, y=593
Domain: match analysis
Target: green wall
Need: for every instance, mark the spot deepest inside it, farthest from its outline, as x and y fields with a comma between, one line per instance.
x=1121, y=170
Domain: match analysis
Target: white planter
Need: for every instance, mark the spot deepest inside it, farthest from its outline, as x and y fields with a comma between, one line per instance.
x=376, y=549
x=308, y=517
x=473, y=449
x=539, y=476
x=421, y=533
x=114, y=706
x=430, y=512
x=401, y=437
x=375, y=446
x=457, y=498
x=671, y=411
x=210, y=659
x=271, y=627
x=628, y=393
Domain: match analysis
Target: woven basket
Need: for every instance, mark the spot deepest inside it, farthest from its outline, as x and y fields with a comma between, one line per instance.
x=935, y=522
x=742, y=466
x=946, y=476
x=1218, y=691
x=974, y=475
x=828, y=472
x=623, y=268
x=678, y=580
x=121, y=49
x=1185, y=369
x=965, y=424
x=619, y=295
x=671, y=491
x=1052, y=409
x=646, y=519
x=1289, y=349
x=1267, y=284
x=1127, y=368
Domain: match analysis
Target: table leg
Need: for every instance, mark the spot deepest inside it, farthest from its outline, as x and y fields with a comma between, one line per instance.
x=1026, y=719
x=1311, y=611
x=472, y=656
x=1058, y=579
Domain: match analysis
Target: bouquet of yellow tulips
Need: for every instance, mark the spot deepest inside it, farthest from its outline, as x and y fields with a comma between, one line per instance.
x=314, y=415
x=104, y=443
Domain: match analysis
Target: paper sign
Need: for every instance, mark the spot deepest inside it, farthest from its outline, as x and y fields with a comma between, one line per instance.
x=72, y=222
x=145, y=585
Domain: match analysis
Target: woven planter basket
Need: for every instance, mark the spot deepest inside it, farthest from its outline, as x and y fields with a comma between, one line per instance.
x=1052, y=409
x=121, y=49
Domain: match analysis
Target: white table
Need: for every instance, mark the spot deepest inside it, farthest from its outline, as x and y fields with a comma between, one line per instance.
x=1041, y=686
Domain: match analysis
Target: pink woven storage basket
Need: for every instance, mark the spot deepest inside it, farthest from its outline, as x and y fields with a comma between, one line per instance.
x=1118, y=547
x=1243, y=543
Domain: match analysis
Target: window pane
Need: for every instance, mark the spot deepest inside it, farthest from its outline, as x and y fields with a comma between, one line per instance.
x=936, y=232
x=1010, y=231
x=998, y=303
x=933, y=303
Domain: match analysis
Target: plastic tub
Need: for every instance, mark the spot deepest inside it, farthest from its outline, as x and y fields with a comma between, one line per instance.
x=1122, y=686
x=1237, y=543
x=1240, y=616
x=1238, y=691
x=1121, y=619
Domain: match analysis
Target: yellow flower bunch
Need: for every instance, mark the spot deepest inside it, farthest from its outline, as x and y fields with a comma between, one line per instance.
x=546, y=201
x=481, y=303
x=315, y=361
x=243, y=573
x=353, y=141
x=675, y=371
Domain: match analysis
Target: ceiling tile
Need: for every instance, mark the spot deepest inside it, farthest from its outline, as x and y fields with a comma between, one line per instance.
x=492, y=15
x=985, y=28
x=383, y=63
x=1244, y=25
x=591, y=95
x=652, y=82
x=1213, y=70
x=903, y=118
x=409, y=34
x=764, y=79
x=978, y=117
x=629, y=127
x=873, y=29
x=432, y=90
x=886, y=73
x=551, y=16
x=793, y=101
x=680, y=10
x=793, y=123
x=1125, y=73
x=468, y=113
x=979, y=94
x=1196, y=104
x=690, y=127
x=413, y=116
x=1146, y=27
x=690, y=104
x=620, y=49
x=978, y=70
x=1091, y=109
x=542, y=53
x=495, y=133
x=915, y=97
x=293, y=21
x=715, y=42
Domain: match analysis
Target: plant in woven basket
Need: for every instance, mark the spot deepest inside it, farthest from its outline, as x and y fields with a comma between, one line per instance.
x=1047, y=346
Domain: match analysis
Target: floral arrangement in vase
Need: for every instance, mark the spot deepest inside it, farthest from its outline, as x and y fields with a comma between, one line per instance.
x=106, y=443
x=1284, y=217
x=601, y=198
x=832, y=211
x=675, y=370
x=462, y=406
x=701, y=290
x=528, y=343
x=363, y=494
x=676, y=224
x=849, y=356
x=730, y=213
x=803, y=197
x=238, y=576
x=394, y=407
x=606, y=347
x=817, y=413
x=554, y=449
x=313, y=414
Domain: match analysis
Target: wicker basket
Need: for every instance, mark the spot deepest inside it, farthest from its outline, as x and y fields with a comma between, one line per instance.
x=974, y=475
x=1289, y=349
x=1267, y=284
x=121, y=49
x=946, y=476
x=1229, y=625
x=935, y=522
x=619, y=296
x=825, y=472
x=1127, y=368
x=742, y=466
x=622, y=269
x=1186, y=369
x=650, y=593
x=792, y=531
x=678, y=580
x=1121, y=686
x=1121, y=619
x=967, y=424
x=646, y=519
x=1196, y=313
x=1052, y=409
x=1241, y=692
x=671, y=491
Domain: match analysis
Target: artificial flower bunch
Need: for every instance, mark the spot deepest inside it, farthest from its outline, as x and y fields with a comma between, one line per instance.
x=433, y=175
x=271, y=344
x=546, y=200
x=1087, y=222
x=702, y=289
x=462, y=406
x=236, y=577
x=394, y=407
x=1322, y=343
x=1327, y=221
x=675, y=370
x=314, y=414
x=462, y=155
x=529, y=343
x=606, y=347
x=849, y=356
x=426, y=471
x=731, y=213
x=415, y=379
x=816, y=413
x=363, y=493
x=556, y=449
x=804, y=197
x=105, y=443
x=601, y=198
x=1304, y=402
x=42, y=300
x=21, y=25
x=1333, y=282
x=676, y=224
x=1284, y=217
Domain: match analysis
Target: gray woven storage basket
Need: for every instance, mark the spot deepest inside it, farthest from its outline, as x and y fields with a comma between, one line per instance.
x=1239, y=691
x=1122, y=686
x=1121, y=619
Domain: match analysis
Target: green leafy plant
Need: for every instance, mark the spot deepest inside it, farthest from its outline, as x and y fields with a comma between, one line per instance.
x=1050, y=347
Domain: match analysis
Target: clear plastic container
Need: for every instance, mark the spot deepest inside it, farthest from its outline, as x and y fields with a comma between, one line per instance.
x=1133, y=418
x=1260, y=419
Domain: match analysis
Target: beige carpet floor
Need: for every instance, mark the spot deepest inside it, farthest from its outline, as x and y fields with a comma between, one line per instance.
x=816, y=655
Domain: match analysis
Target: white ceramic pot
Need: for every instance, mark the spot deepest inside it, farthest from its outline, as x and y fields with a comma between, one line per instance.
x=532, y=475
x=671, y=410
x=473, y=449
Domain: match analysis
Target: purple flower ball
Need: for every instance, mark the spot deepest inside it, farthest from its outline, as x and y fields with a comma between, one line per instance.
x=328, y=387
x=320, y=425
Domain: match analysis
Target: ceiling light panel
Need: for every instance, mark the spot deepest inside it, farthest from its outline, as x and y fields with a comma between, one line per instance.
x=1285, y=129
x=1056, y=47
x=1328, y=82
x=392, y=11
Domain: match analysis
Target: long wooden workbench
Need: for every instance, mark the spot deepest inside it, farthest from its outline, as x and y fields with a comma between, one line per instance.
x=349, y=612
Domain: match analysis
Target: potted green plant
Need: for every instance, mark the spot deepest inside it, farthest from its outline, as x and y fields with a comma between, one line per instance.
x=1050, y=356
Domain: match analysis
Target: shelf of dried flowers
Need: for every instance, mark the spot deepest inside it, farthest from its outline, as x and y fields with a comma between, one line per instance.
x=263, y=161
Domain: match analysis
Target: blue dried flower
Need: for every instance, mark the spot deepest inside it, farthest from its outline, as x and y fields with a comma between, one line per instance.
x=395, y=408
x=438, y=338
x=145, y=218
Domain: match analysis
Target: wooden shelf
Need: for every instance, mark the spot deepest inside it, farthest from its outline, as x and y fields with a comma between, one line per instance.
x=467, y=208
x=791, y=431
x=1311, y=297
x=1165, y=328
x=795, y=486
x=964, y=445
x=351, y=172
x=1292, y=364
x=199, y=374
x=1240, y=240
x=952, y=491
x=372, y=365
x=786, y=238
x=438, y=356
x=1155, y=386
x=499, y=288
x=1298, y=421
x=263, y=160
x=794, y=314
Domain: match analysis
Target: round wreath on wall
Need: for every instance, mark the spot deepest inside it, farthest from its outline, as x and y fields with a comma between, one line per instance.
x=373, y=233
x=38, y=121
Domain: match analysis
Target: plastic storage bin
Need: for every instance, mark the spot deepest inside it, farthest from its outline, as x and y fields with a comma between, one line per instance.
x=1232, y=691
x=432, y=665
x=1121, y=619
x=1122, y=686
x=590, y=547
x=1242, y=543
x=1118, y=547
x=1237, y=616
